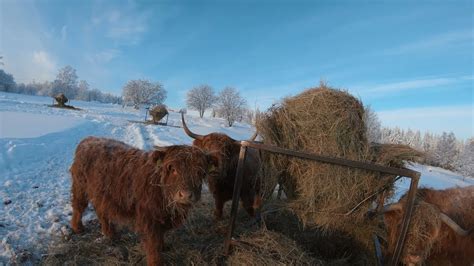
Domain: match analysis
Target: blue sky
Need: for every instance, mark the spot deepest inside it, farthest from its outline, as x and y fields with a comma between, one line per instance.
x=412, y=62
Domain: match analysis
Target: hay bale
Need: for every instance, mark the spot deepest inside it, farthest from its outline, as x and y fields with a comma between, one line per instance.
x=61, y=99
x=158, y=112
x=329, y=122
x=269, y=248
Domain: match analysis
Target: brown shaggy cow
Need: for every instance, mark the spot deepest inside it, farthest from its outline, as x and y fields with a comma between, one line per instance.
x=221, y=181
x=152, y=191
x=450, y=241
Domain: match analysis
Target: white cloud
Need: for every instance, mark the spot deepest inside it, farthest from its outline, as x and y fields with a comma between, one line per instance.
x=433, y=119
x=44, y=65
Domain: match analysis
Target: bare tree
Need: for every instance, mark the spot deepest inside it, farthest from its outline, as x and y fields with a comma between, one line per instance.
x=65, y=82
x=200, y=98
x=373, y=125
x=143, y=92
x=230, y=105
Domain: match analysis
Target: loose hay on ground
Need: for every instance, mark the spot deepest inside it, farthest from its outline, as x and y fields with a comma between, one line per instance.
x=268, y=248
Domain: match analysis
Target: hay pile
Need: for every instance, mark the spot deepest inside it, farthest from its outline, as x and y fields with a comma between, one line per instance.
x=329, y=122
x=61, y=99
x=158, y=112
x=269, y=248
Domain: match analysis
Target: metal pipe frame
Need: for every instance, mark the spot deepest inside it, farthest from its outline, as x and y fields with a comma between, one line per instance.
x=413, y=175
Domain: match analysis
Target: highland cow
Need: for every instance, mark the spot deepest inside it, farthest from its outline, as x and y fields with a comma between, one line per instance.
x=221, y=180
x=151, y=191
x=449, y=241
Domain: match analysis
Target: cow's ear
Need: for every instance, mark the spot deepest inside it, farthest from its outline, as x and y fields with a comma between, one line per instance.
x=212, y=162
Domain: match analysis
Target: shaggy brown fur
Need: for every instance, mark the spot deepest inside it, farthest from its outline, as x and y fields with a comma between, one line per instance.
x=152, y=191
x=221, y=181
x=438, y=243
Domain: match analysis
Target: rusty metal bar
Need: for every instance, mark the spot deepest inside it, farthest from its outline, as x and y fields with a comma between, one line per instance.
x=406, y=219
x=333, y=160
x=235, y=198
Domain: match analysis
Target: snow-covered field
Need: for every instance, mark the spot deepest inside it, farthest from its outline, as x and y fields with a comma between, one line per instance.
x=36, y=149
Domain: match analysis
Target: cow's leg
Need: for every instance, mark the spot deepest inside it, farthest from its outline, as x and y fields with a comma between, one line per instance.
x=105, y=224
x=248, y=203
x=79, y=204
x=153, y=243
x=219, y=202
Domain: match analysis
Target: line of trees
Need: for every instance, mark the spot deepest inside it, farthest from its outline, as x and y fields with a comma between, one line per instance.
x=227, y=104
x=66, y=82
x=443, y=150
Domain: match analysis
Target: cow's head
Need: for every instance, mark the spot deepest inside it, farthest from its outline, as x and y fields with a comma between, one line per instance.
x=182, y=170
x=221, y=146
x=420, y=238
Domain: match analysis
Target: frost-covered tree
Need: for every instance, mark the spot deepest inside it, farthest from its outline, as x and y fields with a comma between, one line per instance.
x=83, y=91
x=7, y=82
x=373, y=125
x=65, y=82
x=230, y=105
x=200, y=98
x=465, y=162
x=143, y=92
x=446, y=152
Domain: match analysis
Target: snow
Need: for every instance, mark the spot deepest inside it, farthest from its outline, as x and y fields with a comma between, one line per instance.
x=27, y=125
x=37, y=145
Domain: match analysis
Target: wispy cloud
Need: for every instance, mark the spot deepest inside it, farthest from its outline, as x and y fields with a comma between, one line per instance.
x=414, y=84
x=64, y=33
x=434, y=119
x=434, y=42
x=126, y=26
x=104, y=56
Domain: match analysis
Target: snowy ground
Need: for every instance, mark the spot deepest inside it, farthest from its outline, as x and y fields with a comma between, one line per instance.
x=36, y=149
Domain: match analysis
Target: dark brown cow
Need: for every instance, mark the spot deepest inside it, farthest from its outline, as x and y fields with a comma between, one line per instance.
x=152, y=191
x=451, y=240
x=221, y=180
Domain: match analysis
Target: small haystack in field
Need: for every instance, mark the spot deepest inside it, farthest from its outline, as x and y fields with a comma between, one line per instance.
x=61, y=101
x=329, y=122
x=158, y=112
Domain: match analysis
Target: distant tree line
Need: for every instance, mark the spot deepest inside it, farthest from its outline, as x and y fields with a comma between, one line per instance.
x=66, y=82
x=443, y=150
x=227, y=104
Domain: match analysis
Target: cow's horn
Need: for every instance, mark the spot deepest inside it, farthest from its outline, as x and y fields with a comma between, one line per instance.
x=188, y=132
x=453, y=225
x=254, y=136
x=392, y=207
